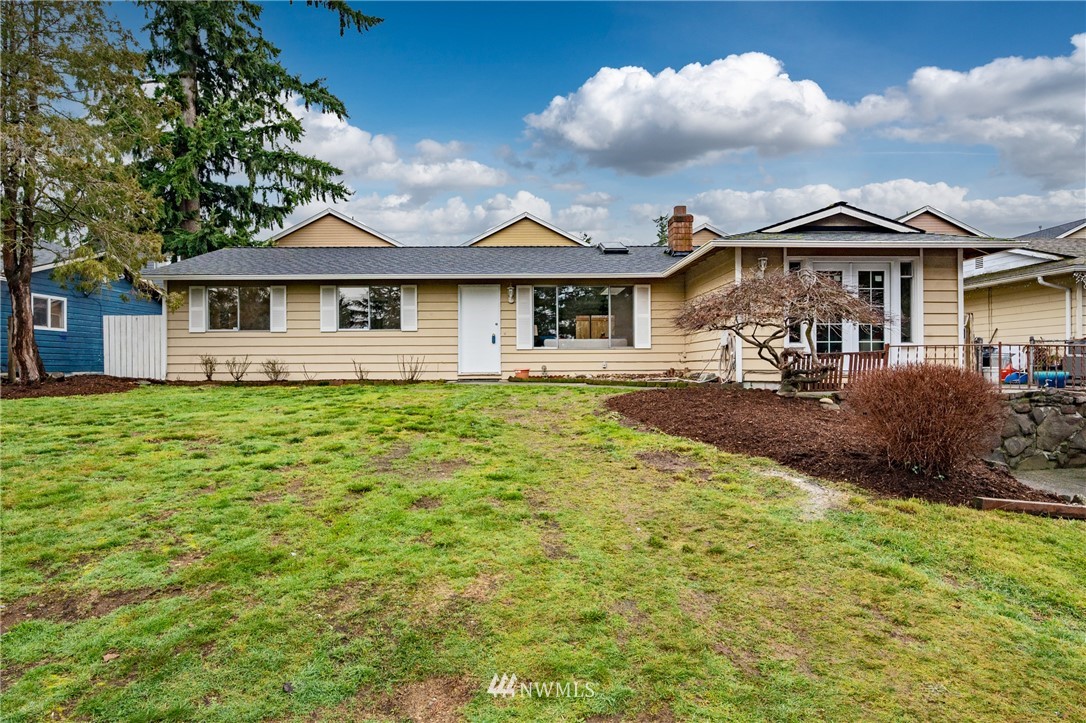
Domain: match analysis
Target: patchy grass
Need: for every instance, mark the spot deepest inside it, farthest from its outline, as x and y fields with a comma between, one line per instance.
x=331, y=553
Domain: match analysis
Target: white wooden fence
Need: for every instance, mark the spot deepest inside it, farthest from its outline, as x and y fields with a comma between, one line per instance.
x=132, y=346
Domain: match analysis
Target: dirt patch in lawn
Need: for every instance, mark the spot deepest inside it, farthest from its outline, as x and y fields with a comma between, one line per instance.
x=74, y=608
x=434, y=700
x=551, y=537
x=79, y=385
x=426, y=502
x=395, y=461
x=673, y=463
x=797, y=433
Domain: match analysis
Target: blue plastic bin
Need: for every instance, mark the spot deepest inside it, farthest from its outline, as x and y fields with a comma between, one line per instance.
x=1054, y=380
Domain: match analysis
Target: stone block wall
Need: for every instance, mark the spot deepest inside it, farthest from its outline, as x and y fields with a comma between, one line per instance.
x=1043, y=430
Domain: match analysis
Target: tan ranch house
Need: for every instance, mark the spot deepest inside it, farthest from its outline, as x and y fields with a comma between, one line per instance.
x=331, y=294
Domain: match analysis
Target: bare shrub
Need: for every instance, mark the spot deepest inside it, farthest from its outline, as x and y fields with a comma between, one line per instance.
x=274, y=369
x=307, y=375
x=237, y=368
x=209, y=364
x=361, y=373
x=928, y=418
x=411, y=367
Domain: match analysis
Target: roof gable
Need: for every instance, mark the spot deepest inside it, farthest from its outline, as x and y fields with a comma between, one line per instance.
x=331, y=228
x=525, y=230
x=840, y=217
x=933, y=220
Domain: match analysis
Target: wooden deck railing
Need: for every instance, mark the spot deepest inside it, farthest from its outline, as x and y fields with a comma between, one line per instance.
x=1030, y=365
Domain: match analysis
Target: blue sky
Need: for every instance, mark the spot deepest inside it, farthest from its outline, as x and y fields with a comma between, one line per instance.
x=454, y=125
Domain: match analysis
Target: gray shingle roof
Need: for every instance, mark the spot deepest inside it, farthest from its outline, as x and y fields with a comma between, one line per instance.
x=1053, y=231
x=1061, y=246
x=420, y=262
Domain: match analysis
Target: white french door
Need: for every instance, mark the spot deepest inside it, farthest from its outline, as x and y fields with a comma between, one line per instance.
x=869, y=281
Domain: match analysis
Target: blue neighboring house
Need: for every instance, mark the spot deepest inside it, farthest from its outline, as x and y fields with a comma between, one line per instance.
x=68, y=322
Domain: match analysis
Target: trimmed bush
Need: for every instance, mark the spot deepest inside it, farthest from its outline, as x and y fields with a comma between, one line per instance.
x=928, y=418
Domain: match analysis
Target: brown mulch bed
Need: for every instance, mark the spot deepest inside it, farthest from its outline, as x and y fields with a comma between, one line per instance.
x=801, y=435
x=78, y=385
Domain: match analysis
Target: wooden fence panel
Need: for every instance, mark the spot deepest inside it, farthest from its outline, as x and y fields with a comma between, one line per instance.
x=132, y=346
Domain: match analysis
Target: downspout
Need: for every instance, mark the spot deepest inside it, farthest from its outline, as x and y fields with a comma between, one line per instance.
x=1067, y=305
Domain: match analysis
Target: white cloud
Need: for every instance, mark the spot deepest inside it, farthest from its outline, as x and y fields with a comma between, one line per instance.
x=583, y=219
x=594, y=198
x=1032, y=110
x=431, y=150
x=363, y=156
x=419, y=176
x=1005, y=215
x=628, y=119
x=335, y=140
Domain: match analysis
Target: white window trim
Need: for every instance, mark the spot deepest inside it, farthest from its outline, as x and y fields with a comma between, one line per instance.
x=632, y=346
x=51, y=299
x=367, y=330
x=207, y=311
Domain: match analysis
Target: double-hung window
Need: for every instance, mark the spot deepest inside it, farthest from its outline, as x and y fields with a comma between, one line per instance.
x=50, y=312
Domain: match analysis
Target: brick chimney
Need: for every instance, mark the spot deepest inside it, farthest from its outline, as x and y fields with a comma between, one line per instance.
x=680, y=232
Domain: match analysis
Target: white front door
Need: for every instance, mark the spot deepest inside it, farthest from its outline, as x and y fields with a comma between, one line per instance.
x=480, y=330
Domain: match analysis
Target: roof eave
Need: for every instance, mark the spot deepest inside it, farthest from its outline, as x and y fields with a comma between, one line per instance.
x=410, y=277
x=1028, y=273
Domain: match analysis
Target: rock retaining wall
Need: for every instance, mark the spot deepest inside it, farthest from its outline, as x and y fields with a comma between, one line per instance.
x=1043, y=430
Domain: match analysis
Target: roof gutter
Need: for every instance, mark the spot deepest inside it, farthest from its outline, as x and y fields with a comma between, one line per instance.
x=451, y=278
x=1066, y=303
x=1029, y=273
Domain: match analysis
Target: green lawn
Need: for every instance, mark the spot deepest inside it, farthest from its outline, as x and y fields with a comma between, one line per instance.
x=356, y=552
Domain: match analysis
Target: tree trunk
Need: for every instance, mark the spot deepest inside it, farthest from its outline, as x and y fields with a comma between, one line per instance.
x=190, y=207
x=23, y=353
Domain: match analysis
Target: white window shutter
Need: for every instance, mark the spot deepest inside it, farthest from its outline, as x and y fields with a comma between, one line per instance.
x=197, y=309
x=329, y=302
x=642, y=316
x=525, y=335
x=278, y=308
x=409, y=308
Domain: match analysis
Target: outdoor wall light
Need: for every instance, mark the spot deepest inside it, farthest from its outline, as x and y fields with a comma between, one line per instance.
x=763, y=261
x=512, y=291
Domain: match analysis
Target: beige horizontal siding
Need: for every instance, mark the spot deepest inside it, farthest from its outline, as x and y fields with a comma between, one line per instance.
x=703, y=237
x=941, y=296
x=525, y=232
x=709, y=275
x=933, y=224
x=330, y=231
x=1012, y=313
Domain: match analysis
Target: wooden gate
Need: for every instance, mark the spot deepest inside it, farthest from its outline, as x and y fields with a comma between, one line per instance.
x=132, y=346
